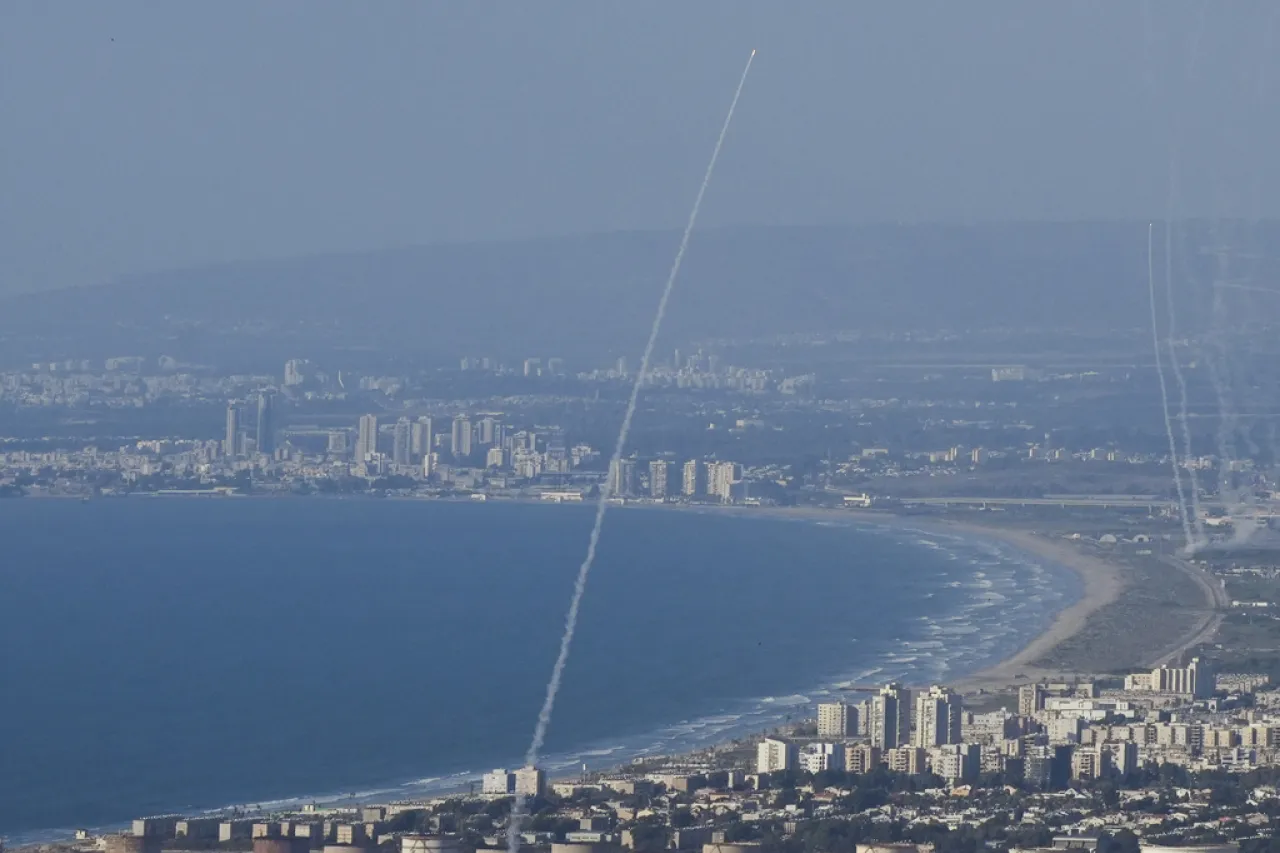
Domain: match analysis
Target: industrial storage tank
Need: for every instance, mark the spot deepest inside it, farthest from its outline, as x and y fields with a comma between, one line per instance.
x=132, y=844
x=197, y=827
x=585, y=847
x=345, y=848
x=429, y=844
x=312, y=831
x=737, y=847
x=281, y=845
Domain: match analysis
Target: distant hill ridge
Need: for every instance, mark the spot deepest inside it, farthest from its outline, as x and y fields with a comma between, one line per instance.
x=596, y=293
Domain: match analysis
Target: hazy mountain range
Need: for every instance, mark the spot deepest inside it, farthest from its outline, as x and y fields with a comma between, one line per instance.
x=595, y=295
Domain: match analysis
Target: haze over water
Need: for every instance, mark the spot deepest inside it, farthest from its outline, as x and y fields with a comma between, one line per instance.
x=188, y=654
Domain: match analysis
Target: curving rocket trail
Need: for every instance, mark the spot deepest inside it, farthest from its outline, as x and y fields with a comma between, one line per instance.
x=1187, y=535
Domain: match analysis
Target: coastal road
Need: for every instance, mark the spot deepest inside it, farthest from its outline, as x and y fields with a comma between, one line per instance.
x=1215, y=600
x=1118, y=502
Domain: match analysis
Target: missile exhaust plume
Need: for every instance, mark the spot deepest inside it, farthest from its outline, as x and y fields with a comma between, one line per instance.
x=580, y=584
x=1164, y=395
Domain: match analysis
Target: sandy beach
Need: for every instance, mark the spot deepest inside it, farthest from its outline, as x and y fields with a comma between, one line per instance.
x=1111, y=591
x=1103, y=585
x=1105, y=581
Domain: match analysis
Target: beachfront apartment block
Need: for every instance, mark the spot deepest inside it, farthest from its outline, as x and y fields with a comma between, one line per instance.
x=819, y=757
x=774, y=755
x=939, y=715
x=529, y=782
x=498, y=783
x=837, y=720
x=890, y=723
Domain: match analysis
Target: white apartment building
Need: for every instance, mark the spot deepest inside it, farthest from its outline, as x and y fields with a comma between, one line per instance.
x=775, y=754
x=817, y=757
x=498, y=783
x=939, y=715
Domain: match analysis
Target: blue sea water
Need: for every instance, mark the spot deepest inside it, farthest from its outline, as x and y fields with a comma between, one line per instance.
x=168, y=654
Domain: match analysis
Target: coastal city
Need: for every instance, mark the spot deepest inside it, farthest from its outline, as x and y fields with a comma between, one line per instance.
x=726, y=432
x=580, y=427
x=1178, y=757
x=1053, y=749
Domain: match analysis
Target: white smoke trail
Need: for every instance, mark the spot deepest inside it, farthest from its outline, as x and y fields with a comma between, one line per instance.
x=1197, y=524
x=1218, y=361
x=1164, y=389
x=580, y=584
x=1231, y=285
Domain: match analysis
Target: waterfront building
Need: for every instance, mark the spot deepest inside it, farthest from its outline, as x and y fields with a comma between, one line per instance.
x=421, y=437
x=659, y=474
x=819, y=757
x=721, y=479
x=622, y=477
x=367, y=440
x=164, y=826
x=890, y=716
x=529, y=781
x=775, y=754
x=498, y=783
x=461, y=436
x=694, y=481
x=402, y=443
x=265, y=436
x=197, y=827
x=837, y=720
x=862, y=725
x=231, y=439
x=939, y=715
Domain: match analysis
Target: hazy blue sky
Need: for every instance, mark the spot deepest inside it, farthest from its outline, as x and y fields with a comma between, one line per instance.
x=141, y=135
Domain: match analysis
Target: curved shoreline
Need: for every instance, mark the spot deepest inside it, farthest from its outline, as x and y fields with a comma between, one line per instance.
x=1101, y=585
x=1106, y=580
x=1101, y=580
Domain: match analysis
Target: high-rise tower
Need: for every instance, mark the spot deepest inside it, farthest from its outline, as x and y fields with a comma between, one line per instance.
x=461, y=436
x=938, y=717
x=367, y=441
x=402, y=444
x=231, y=441
x=265, y=436
x=890, y=722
